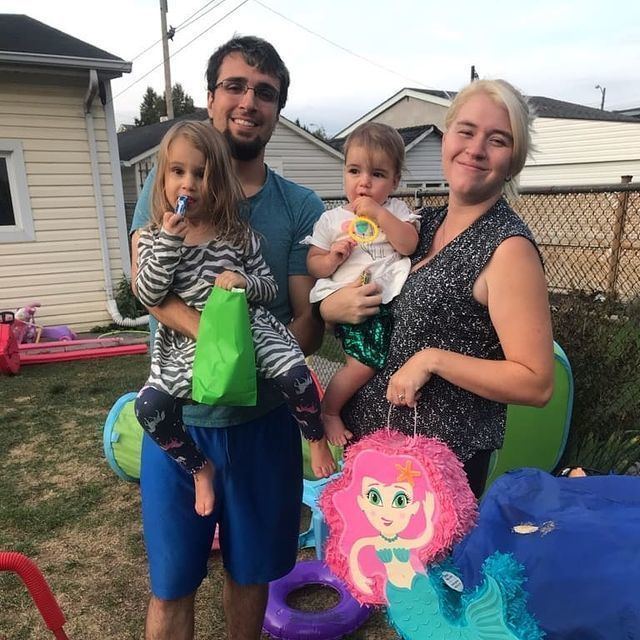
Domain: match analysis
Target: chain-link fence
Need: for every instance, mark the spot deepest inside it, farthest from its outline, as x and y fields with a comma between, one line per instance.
x=589, y=238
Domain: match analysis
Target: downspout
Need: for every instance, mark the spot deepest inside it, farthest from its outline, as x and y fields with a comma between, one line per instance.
x=112, y=306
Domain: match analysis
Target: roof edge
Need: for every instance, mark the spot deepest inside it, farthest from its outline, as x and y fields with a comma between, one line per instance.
x=66, y=61
x=406, y=92
x=309, y=136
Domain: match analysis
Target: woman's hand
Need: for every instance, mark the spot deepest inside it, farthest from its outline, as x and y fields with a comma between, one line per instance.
x=231, y=279
x=174, y=224
x=352, y=304
x=405, y=384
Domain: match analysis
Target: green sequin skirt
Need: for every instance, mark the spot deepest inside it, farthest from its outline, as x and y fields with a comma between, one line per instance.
x=368, y=342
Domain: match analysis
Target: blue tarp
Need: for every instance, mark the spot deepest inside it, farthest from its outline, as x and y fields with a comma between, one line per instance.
x=581, y=555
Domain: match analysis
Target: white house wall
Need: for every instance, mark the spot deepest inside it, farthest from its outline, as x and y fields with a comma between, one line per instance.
x=411, y=112
x=423, y=162
x=579, y=152
x=61, y=269
x=304, y=162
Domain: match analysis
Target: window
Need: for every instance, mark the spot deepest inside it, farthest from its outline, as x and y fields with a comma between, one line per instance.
x=16, y=220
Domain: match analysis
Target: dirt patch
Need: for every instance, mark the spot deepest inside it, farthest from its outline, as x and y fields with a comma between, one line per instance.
x=28, y=450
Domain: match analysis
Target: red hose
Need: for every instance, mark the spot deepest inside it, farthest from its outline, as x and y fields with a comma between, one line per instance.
x=38, y=588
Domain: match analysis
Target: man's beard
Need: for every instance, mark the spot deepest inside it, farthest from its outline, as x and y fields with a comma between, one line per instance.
x=244, y=150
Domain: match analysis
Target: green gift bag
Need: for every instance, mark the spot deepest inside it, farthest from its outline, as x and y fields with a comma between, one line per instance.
x=224, y=367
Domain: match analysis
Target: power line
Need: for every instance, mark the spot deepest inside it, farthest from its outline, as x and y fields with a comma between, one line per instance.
x=186, y=23
x=226, y=15
x=339, y=46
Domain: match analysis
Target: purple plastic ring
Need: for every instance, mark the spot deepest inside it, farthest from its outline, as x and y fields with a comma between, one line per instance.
x=285, y=623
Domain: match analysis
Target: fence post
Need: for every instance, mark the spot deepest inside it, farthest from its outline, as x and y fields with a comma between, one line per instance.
x=616, y=241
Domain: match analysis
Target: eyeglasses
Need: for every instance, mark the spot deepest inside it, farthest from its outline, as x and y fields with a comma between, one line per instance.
x=238, y=87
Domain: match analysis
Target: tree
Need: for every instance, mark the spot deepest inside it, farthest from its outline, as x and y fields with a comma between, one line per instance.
x=153, y=106
x=182, y=102
x=316, y=130
x=151, y=109
x=319, y=132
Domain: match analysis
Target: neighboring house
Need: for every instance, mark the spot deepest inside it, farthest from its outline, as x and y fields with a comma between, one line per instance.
x=422, y=164
x=137, y=148
x=63, y=238
x=574, y=144
x=292, y=152
x=634, y=112
x=423, y=145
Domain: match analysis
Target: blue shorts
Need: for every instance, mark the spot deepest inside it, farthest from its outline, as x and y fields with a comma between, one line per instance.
x=258, y=485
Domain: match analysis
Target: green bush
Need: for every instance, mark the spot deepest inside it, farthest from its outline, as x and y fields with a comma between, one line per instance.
x=601, y=338
x=618, y=451
x=128, y=305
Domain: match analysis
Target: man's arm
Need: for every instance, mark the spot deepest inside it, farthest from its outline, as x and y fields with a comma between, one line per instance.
x=306, y=326
x=173, y=312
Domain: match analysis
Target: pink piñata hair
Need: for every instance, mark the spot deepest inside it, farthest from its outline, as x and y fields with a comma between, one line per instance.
x=377, y=456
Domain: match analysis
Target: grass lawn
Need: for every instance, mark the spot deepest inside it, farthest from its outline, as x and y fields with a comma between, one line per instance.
x=61, y=505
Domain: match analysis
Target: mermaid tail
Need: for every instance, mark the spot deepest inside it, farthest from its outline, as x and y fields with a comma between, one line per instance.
x=496, y=610
x=486, y=616
x=509, y=576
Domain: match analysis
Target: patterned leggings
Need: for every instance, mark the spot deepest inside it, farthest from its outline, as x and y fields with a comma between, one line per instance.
x=160, y=415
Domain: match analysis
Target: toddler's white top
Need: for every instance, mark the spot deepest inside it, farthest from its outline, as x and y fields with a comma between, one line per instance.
x=386, y=266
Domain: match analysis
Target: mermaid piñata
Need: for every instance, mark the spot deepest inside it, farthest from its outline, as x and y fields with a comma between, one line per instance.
x=393, y=516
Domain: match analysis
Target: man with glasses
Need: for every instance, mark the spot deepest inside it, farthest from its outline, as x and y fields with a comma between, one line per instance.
x=256, y=451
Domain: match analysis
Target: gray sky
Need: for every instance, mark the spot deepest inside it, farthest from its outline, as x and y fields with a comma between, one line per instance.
x=348, y=56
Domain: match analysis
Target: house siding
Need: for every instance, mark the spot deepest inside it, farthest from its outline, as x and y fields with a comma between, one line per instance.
x=411, y=112
x=304, y=162
x=62, y=268
x=423, y=163
x=130, y=191
x=579, y=152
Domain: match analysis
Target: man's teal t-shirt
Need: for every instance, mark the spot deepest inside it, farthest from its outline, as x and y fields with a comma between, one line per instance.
x=283, y=213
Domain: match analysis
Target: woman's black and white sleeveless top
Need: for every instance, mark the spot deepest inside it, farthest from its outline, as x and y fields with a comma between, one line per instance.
x=436, y=308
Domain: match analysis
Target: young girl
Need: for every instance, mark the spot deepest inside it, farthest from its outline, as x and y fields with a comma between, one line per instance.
x=185, y=255
x=368, y=238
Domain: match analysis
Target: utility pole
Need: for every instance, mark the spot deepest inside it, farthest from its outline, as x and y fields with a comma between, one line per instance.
x=165, y=53
x=603, y=91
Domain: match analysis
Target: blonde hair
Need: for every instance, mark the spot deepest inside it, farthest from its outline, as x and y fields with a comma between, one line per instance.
x=222, y=198
x=376, y=137
x=521, y=116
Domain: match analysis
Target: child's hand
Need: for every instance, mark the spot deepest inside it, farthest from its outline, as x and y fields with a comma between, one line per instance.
x=367, y=207
x=231, y=279
x=174, y=224
x=340, y=250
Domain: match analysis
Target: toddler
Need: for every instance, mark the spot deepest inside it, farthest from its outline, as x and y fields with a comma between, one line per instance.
x=369, y=238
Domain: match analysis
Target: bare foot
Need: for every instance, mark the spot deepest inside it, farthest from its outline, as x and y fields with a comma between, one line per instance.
x=337, y=434
x=205, y=495
x=322, y=463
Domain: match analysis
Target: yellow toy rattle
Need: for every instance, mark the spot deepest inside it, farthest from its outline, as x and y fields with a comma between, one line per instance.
x=363, y=230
